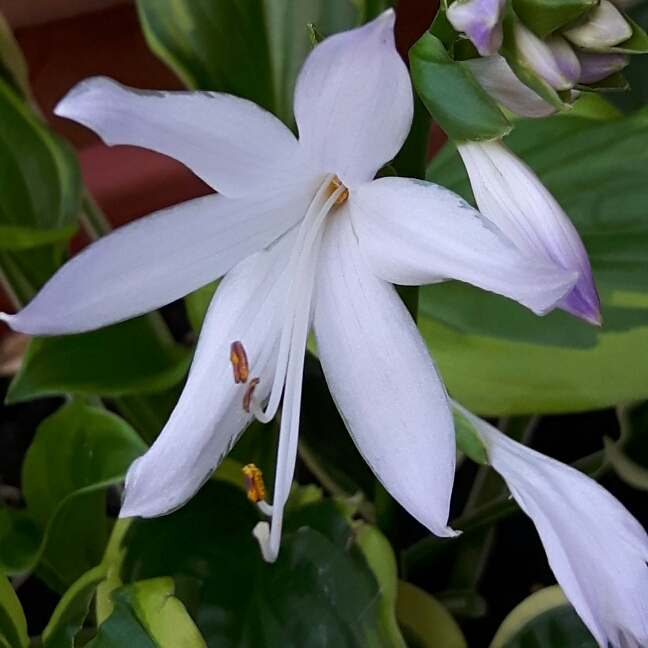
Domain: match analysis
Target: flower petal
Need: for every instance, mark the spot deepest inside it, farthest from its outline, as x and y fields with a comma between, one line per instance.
x=236, y=147
x=596, y=549
x=497, y=78
x=510, y=194
x=353, y=102
x=156, y=260
x=481, y=21
x=209, y=416
x=413, y=232
x=595, y=67
x=539, y=56
x=605, y=27
x=383, y=380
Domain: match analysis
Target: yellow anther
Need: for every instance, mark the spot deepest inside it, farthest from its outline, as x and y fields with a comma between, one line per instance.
x=239, y=361
x=249, y=392
x=254, y=485
x=336, y=184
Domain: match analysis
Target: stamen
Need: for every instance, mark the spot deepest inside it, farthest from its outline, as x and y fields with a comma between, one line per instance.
x=254, y=485
x=336, y=183
x=249, y=393
x=239, y=361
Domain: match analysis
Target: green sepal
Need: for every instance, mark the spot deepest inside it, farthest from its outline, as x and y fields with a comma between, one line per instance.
x=612, y=83
x=543, y=17
x=453, y=96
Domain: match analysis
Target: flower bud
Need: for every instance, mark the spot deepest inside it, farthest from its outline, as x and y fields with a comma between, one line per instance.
x=595, y=67
x=494, y=74
x=605, y=27
x=549, y=59
x=480, y=21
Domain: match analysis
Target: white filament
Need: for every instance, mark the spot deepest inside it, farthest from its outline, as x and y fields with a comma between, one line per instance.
x=290, y=364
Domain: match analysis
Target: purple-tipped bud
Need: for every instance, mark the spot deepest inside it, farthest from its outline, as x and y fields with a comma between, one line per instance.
x=549, y=59
x=480, y=21
x=595, y=67
x=565, y=58
x=512, y=196
x=605, y=27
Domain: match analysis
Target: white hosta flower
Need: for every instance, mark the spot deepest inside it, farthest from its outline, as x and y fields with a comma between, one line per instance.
x=596, y=549
x=480, y=21
x=512, y=196
x=498, y=79
x=552, y=59
x=605, y=27
x=303, y=234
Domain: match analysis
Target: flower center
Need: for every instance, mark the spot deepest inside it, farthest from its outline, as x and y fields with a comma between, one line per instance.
x=299, y=281
x=334, y=185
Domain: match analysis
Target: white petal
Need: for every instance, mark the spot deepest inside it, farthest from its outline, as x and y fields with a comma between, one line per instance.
x=481, y=21
x=596, y=549
x=156, y=260
x=353, y=102
x=413, y=232
x=383, y=380
x=236, y=147
x=500, y=82
x=604, y=28
x=209, y=416
x=510, y=194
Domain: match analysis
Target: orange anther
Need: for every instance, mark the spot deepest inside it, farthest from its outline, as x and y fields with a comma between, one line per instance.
x=239, y=361
x=254, y=485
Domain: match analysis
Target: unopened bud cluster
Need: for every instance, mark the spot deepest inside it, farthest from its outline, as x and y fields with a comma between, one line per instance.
x=582, y=52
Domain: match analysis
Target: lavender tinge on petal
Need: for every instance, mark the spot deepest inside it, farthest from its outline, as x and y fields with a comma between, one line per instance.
x=595, y=67
x=480, y=21
x=540, y=57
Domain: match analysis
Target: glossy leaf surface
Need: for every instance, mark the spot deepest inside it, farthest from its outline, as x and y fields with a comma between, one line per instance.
x=498, y=358
x=76, y=454
x=121, y=359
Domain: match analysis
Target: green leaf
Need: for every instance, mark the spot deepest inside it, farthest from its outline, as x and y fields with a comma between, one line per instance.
x=250, y=48
x=212, y=45
x=543, y=620
x=13, y=625
x=544, y=17
x=76, y=453
x=321, y=582
x=462, y=109
x=197, y=304
x=121, y=359
x=425, y=622
x=41, y=179
x=15, y=237
x=147, y=615
x=380, y=557
x=496, y=357
x=72, y=609
x=13, y=67
x=289, y=41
